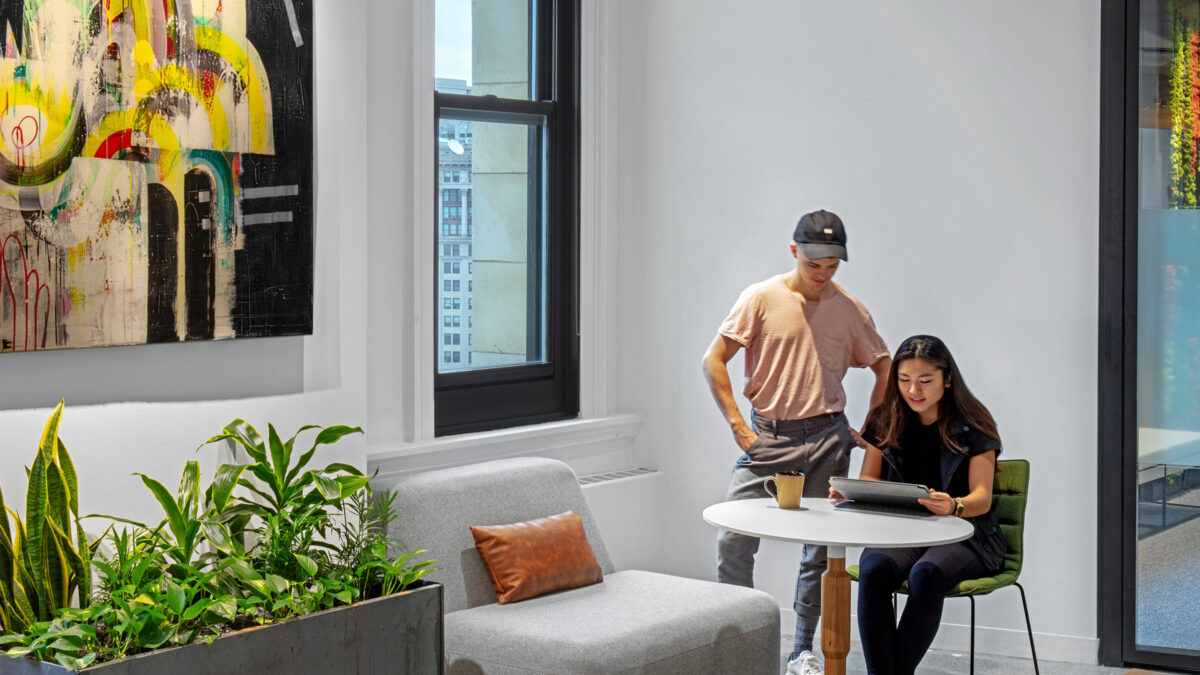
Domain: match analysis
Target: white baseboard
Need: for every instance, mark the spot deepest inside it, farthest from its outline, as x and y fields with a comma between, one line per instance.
x=953, y=637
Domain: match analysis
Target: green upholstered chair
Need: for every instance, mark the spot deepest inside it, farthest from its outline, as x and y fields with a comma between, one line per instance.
x=1009, y=493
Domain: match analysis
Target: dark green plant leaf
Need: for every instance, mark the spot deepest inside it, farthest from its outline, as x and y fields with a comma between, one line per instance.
x=348, y=485
x=67, y=643
x=346, y=468
x=223, y=483
x=280, y=458
x=306, y=563
x=242, y=570
x=218, y=535
x=189, y=489
x=36, y=512
x=195, y=610
x=166, y=500
x=224, y=607
x=154, y=635
x=276, y=583
x=72, y=480
x=176, y=596
x=330, y=489
x=332, y=434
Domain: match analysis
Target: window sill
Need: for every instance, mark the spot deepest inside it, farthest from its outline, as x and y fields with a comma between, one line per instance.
x=574, y=441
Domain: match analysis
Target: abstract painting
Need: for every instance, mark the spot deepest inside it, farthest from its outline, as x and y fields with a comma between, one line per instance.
x=155, y=171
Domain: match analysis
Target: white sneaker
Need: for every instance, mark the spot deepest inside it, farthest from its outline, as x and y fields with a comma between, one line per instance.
x=807, y=663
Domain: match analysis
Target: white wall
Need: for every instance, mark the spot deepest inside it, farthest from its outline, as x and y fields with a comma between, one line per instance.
x=958, y=141
x=109, y=442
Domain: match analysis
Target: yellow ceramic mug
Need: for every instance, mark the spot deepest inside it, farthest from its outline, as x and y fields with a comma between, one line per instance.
x=789, y=487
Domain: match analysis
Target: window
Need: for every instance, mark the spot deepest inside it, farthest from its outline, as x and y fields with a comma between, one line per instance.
x=457, y=320
x=445, y=303
x=446, y=323
x=446, y=339
x=446, y=267
x=457, y=356
x=457, y=338
x=456, y=285
x=520, y=109
x=455, y=267
x=446, y=356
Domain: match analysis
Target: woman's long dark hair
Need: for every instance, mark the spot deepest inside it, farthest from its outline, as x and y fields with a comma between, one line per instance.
x=957, y=407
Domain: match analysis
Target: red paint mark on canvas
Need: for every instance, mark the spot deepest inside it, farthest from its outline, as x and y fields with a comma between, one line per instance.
x=23, y=134
x=121, y=140
x=208, y=87
x=28, y=277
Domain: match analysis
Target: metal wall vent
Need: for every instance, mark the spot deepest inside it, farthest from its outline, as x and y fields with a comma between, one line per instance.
x=614, y=475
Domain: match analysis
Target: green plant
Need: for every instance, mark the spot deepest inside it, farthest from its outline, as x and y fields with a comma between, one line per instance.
x=45, y=560
x=298, y=540
x=293, y=503
x=363, y=553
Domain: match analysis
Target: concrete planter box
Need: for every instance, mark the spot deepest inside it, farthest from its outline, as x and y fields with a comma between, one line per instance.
x=400, y=633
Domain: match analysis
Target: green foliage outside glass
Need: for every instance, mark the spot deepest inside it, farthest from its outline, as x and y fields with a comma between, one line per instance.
x=295, y=541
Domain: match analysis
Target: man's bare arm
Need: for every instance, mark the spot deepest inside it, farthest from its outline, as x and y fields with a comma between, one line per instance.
x=881, y=368
x=719, y=353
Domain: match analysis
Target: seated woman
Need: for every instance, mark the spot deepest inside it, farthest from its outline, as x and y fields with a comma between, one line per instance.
x=929, y=429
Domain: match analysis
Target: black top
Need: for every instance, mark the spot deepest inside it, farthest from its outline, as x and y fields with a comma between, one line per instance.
x=922, y=454
x=923, y=457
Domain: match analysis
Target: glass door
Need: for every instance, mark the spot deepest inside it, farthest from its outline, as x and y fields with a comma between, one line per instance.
x=1150, y=243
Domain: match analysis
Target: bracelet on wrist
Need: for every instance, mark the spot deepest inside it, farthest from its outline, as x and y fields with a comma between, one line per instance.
x=959, y=507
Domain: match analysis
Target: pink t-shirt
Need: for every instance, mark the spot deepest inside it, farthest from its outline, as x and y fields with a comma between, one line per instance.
x=797, y=350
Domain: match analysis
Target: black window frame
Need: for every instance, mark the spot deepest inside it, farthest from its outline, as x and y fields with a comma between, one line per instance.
x=1116, y=576
x=495, y=398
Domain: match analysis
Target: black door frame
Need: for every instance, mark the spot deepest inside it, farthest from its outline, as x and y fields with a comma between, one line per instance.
x=1117, y=348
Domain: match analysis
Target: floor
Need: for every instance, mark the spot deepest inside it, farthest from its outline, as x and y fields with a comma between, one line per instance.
x=1168, y=566
x=950, y=663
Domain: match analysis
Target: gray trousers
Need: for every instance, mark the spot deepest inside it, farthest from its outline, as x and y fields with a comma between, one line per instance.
x=818, y=446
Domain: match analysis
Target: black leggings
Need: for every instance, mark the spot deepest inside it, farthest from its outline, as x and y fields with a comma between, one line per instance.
x=930, y=572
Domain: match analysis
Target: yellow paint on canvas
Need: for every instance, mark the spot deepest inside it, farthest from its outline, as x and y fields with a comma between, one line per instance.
x=75, y=255
x=258, y=95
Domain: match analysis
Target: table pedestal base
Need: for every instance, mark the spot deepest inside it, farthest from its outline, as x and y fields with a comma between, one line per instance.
x=835, y=612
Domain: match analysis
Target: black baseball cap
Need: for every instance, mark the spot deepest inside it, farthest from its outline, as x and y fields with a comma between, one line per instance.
x=820, y=234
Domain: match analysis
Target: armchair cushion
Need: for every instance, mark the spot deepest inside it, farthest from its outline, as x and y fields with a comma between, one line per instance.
x=634, y=622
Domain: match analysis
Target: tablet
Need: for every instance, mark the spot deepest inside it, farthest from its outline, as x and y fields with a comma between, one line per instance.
x=880, y=491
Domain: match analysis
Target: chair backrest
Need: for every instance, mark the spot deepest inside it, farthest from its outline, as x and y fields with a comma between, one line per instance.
x=1009, y=494
x=435, y=510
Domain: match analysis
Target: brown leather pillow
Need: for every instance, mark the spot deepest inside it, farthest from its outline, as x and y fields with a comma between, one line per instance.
x=538, y=556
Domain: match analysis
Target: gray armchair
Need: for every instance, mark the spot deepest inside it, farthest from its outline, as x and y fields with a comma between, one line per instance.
x=632, y=622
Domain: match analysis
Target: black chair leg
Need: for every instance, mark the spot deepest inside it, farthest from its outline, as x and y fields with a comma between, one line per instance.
x=1029, y=628
x=972, y=599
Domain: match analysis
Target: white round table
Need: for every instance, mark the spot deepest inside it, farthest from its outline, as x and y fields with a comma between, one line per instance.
x=818, y=522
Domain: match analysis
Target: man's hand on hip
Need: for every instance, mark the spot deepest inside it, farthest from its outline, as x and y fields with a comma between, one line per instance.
x=744, y=436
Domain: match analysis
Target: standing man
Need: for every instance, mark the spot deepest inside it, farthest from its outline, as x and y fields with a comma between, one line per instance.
x=801, y=332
